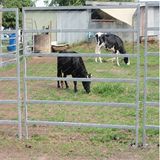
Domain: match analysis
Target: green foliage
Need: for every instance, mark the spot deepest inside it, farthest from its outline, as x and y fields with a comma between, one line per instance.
x=78, y=2
x=9, y=19
x=39, y=138
x=110, y=136
x=108, y=89
x=67, y=3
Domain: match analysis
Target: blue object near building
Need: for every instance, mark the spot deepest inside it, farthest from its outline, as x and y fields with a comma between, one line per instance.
x=12, y=42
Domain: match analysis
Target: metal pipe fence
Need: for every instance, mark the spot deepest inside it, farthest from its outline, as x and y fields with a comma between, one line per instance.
x=147, y=79
x=16, y=78
x=136, y=80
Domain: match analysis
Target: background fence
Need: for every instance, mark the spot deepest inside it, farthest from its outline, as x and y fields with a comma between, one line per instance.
x=13, y=54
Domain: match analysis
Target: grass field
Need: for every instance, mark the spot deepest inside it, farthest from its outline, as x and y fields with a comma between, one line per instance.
x=81, y=143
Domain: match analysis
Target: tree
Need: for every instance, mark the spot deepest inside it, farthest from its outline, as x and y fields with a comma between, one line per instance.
x=67, y=3
x=9, y=19
x=79, y=2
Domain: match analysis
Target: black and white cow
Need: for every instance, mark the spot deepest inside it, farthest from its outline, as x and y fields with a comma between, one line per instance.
x=72, y=66
x=111, y=42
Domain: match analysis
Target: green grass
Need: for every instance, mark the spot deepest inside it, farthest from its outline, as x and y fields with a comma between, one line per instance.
x=89, y=143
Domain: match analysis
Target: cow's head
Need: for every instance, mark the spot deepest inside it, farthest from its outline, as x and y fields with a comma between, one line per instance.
x=86, y=84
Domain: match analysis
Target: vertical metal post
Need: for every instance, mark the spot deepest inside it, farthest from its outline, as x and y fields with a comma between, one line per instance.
x=0, y=36
x=24, y=76
x=25, y=98
x=137, y=75
x=145, y=75
x=18, y=76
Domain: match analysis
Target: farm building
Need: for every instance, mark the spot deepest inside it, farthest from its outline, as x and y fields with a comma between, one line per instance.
x=90, y=19
x=110, y=20
x=60, y=19
x=153, y=19
x=74, y=19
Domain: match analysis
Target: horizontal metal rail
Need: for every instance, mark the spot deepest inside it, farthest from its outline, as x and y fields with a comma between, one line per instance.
x=155, y=104
x=74, y=124
x=8, y=55
x=124, y=80
x=11, y=45
x=4, y=46
x=80, y=30
x=152, y=28
x=152, y=54
x=79, y=7
x=113, y=104
x=8, y=38
x=8, y=9
x=156, y=127
x=8, y=101
x=7, y=31
x=8, y=62
x=152, y=3
x=152, y=78
x=78, y=55
x=8, y=78
x=8, y=122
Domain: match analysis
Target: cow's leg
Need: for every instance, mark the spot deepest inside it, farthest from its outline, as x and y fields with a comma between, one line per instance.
x=75, y=86
x=59, y=74
x=128, y=63
x=98, y=51
x=117, y=59
x=113, y=51
x=66, y=81
x=62, y=84
x=62, y=81
x=58, y=85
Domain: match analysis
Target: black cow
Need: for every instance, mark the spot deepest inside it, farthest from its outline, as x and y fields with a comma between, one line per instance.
x=111, y=42
x=72, y=66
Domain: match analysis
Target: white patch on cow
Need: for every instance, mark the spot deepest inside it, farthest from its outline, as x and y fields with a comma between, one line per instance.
x=99, y=34
x=111, y=49
x=98, y=51
x=117, y=59
x=128, y=62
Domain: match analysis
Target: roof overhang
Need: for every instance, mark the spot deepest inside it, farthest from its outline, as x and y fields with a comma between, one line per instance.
x=123, y=14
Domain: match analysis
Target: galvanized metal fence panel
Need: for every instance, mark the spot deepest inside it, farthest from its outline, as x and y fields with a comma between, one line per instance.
x=15, y=55
x=75, y=103
x=146, y=103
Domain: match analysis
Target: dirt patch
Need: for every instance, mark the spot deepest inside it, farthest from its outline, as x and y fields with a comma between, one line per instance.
x=125, y=156
x=18, y=154
x=8, y=73
x=38, y=60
